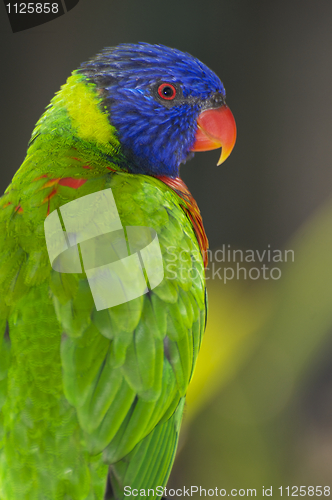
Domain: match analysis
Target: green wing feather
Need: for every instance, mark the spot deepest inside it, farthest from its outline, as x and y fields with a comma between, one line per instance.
x=146, y=469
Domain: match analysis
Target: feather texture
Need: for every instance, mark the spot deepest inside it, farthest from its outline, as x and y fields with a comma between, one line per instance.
x=87, y=393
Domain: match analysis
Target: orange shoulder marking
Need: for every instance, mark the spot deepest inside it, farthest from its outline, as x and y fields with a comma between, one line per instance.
x=191, y=209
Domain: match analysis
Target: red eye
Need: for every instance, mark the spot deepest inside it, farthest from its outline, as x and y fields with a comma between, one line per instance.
x=167, y=91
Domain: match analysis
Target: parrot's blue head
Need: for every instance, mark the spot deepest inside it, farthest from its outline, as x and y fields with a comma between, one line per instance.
x=163, y=103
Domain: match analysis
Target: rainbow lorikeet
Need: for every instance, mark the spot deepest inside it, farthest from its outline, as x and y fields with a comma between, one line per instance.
x=92, y=392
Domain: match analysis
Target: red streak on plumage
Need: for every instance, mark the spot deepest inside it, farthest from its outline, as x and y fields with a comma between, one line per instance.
x=48, y=199
x=71, y=182
x=192, y=211
x=49, y=196
x=51, y=183
x=19, y=209
x=40, y=177
x=83, y=166
x=7, y=204
x=66, y=181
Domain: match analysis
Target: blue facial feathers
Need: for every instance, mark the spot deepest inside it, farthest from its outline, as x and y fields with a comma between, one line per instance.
x=156, y=133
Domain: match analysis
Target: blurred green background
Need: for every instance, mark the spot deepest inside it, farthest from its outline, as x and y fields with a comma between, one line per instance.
x=259, y=409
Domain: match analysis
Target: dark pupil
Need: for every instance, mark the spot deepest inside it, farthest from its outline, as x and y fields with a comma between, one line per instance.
x=167, y=91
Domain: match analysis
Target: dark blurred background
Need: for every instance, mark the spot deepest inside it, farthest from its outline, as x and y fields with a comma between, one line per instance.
x=275, y=60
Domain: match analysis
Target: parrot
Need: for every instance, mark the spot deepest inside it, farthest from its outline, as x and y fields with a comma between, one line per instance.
x=92, y=393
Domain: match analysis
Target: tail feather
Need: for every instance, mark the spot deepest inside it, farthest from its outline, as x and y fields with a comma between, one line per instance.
x=149, y=465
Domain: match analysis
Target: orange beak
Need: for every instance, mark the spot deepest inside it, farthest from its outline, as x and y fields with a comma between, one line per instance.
x=216, y=128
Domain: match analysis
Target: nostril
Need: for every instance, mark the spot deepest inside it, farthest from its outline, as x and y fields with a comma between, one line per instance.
x=218, y=98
